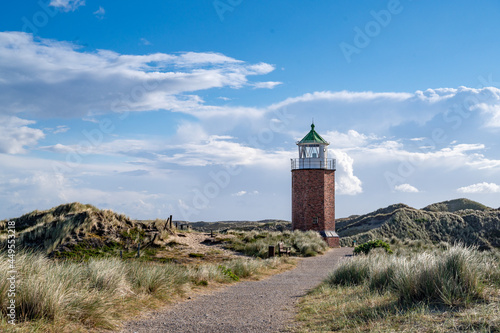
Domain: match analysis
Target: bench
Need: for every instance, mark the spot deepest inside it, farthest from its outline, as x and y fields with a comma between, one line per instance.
x=283, y=249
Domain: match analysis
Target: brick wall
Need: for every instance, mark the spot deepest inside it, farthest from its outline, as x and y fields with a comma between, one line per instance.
x=332, y=241
x=313, y=196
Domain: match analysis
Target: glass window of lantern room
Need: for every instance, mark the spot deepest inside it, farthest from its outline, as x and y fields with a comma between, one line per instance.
x=312, y=151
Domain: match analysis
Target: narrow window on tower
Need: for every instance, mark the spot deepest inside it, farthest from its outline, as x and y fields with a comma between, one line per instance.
x=315, y=220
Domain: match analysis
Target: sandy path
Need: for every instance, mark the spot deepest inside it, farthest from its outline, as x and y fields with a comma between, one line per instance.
x=252, y=306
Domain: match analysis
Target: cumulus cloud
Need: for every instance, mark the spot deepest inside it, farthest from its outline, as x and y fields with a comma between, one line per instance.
x=406, y=188
x=55, y=79
x=346, y=182
x=16, y=135
x=67, y=5
x=492, y=111
x=351, y=139
x=480, y=188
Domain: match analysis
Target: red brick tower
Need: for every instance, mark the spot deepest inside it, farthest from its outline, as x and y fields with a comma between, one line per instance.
x=313, y=188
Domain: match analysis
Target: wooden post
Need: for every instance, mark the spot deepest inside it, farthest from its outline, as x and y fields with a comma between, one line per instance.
x=272, y=251
x=211, y=233
x=138, y=250
x=170, y=218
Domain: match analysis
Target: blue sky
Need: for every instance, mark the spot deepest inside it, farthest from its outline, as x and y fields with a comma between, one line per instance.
x=192, y=108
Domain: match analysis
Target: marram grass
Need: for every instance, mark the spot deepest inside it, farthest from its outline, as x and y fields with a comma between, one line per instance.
x=440, y=290
x=100, y=293
x=256, y=243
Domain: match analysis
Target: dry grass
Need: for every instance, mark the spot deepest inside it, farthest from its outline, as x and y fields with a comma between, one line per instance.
x=457, y=289
x=97, y=294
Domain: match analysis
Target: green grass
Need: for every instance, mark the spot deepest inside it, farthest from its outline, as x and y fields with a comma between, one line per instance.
x=438, y=290
x=100, y=292
x=256, y=243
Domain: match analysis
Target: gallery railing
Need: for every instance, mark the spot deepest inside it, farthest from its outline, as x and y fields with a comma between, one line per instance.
x=313, y=163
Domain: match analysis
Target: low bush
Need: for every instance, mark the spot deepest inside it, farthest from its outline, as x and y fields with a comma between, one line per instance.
x=368, y=246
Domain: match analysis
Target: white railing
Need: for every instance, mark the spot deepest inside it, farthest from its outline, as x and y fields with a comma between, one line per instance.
x=313, y=163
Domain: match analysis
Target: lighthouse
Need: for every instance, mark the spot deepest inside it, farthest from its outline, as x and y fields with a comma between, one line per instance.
x=313, y=188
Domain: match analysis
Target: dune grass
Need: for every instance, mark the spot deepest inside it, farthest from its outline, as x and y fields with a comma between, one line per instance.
x=439, y=290
x=99, y=293
x=256, y=243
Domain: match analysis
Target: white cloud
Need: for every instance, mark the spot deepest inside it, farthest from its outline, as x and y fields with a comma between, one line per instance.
x=480, y=188
x=267, y=85
x=346, y=182
x=56, y=79
x=222, y=150
x=100, y=13
x=144, y=41
x=242, y=193
x=67, y=5
x=446, y=109
x=453, y=157
x=492, y=111
x=16, y=135
x=406, y=188
x=60, y=129
x=351, y=139
x=32, y=183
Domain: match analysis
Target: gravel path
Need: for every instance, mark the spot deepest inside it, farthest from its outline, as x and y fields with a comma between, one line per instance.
x=252, y=306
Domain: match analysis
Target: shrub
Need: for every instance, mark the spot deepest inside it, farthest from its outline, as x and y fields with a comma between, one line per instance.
x=366, y=247
x=227, y=272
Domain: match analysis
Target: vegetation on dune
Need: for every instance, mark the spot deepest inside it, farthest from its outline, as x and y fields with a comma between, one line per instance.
x=224, y=226
x=79, y=231
x=450, y=221
x=440, y=290
x=99, y=293
x=254, y=243
x=456, y=205
x=367, y=247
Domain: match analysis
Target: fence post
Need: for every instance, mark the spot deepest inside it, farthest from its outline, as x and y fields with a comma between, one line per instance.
x=272, y=251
